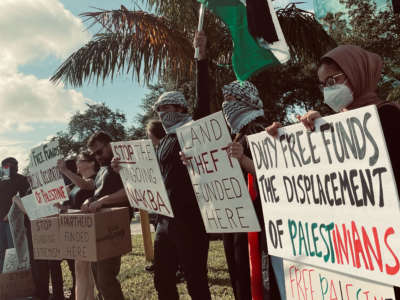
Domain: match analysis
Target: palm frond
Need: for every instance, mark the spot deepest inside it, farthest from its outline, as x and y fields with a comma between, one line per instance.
x=305, y=37
x=394, y=95
x=142, y=43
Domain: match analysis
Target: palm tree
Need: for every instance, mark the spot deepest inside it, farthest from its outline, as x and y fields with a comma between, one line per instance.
x=160, y=43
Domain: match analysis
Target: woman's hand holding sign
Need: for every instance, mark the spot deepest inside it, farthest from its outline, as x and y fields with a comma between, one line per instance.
x=309, y=118
x=273, y=129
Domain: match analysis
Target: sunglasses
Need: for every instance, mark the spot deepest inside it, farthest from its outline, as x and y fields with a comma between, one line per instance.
x=83, y=160
x=99, y=152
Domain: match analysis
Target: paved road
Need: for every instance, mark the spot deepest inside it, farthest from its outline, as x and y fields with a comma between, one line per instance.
x=135, y=226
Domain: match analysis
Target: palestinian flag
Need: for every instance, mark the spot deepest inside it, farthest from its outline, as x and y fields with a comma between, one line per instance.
x=258, y=41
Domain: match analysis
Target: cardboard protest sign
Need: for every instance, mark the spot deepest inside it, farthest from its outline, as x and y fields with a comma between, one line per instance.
x=141, y=176
x=44, y=176
x=95, y=236
x=217, y=179
x=13, y=264
x=329, y=196
x=18, y=232
x=46, y=238
x=305, y=282
x=34, y=210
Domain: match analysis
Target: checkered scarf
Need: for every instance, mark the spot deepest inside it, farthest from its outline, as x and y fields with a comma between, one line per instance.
x=246, y=107
x=172, y=120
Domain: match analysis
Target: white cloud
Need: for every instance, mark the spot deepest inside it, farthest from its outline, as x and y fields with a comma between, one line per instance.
x=26, y=100
x=15, y=148
x=34, y=29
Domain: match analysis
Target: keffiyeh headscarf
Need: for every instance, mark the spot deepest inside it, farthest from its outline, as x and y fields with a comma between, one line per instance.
x=246, y=107
x=172, y=120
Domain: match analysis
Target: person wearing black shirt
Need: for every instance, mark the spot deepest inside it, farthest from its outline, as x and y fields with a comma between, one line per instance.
x=17, y=183
x=109, y=192
x=184, y=235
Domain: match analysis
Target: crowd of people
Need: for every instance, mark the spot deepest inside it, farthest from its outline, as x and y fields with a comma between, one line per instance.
x=348, y=77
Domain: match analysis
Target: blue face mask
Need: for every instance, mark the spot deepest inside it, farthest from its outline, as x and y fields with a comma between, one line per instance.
x=337, y=96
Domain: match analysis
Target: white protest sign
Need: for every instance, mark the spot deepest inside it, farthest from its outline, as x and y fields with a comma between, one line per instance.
x=34, y=210
x=217, y=179
x=11, y=262
x=18, y=232
x=44, y=176
x=304, y=282
x=141, y=176
x=329, y=196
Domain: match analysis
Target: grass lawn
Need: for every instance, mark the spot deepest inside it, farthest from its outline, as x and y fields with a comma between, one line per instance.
x=138, y=284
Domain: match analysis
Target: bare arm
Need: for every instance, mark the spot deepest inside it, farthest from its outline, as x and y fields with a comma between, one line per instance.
x=83, y=183
x=114, y=198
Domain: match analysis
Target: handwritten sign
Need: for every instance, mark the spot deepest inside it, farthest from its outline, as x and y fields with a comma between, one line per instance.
x=329, y=196
x=95, y=237
x=46, y=238
x=36, y=211
x=304, y=282
x=18, y=232
x=141, y=176
x=44, y=176
x=217, y=178
x=13, y=264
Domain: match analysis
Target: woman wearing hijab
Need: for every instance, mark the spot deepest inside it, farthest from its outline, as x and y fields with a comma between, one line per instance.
x=349, y=77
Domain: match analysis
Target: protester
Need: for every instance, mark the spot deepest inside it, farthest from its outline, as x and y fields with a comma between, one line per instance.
x=82, y=187
x=185, y=233
x=155, y=132
x=243, y=111
x=42, y=270
x=109, y=192
x=16, y=183
x=349, y=77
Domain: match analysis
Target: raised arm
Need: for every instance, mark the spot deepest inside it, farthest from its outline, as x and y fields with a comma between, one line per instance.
x=83, y=183
x=202, y=106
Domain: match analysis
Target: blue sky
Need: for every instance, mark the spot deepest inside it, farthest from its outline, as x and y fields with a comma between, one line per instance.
x=36, y=37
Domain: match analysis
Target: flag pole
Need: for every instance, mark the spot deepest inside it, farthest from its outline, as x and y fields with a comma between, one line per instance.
x=200, y=27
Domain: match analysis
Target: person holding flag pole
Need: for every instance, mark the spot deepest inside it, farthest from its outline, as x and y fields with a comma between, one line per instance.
x=184, y=234
x=258, y=43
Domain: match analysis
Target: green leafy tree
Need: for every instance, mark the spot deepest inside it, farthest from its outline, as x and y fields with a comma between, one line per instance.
x=160, y=44
x=97, y=117
x=373, y=30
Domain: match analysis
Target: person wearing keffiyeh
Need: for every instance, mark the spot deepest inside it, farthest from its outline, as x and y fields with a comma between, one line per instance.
x=244, y=113
x=181, y=239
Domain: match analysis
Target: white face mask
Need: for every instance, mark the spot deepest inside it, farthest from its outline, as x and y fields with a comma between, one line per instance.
x=337, y=96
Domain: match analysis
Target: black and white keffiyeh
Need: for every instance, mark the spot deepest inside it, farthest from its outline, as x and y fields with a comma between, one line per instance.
x=172, y=120
x=246, y=107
